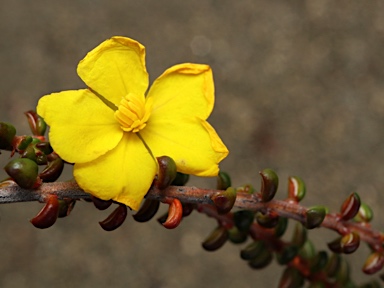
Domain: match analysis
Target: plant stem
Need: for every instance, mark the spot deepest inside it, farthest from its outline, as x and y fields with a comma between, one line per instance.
x=284, y=208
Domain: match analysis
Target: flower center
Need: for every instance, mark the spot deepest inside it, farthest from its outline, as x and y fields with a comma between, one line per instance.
x=133, y=112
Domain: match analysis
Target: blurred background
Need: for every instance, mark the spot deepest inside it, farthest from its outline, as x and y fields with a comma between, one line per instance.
x=299, y=88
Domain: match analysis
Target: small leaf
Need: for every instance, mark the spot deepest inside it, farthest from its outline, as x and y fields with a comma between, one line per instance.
x=175, y=214
x=308, y=250
x=319, y=262
x=65, y=207
x=269, y=184
x=261, y=260
x=36, y=123
x=216, y=239
x=374, y=263
x=48, y=214
x=253, y=250
x=346, y=244
x=350, y=207
x=180, y=180
x=315, y=216
x=7, y=133
x=247, y=188
x=268, y=220
x=365, y=214
x=236, y=236
x=115, y=219
x=291, y=278
x=350, y=242
x=224, y=200
x=243, y=220
x=147, y=210
x=188, y=209
x=167, y=172
x=333, y=265
x=287, y=254
x=24, y=171
x=101, y=204
x=299, y=235
x=281, y=226
x=296, y=188
x=54, y=168
x=223, y=181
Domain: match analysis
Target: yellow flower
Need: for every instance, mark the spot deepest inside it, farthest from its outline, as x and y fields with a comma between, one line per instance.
x=113, y=132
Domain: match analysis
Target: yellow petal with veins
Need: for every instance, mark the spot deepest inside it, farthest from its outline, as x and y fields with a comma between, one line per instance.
x=124, y=174
x=184, y=89
x=82, y=127
x=191, y=142
x=115, y=68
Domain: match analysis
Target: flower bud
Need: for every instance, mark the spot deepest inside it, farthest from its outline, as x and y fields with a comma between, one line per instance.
x=224, y=200
x=24, y=171
x=223, y=181
x=296, y=188
x=374, y=263
x=48, y=214
x=147, y=210
x=36, y=123
x=167, y=172
x=243, y=220
x=216, y=239
x=180, y=180
x=7, y=133
x=350, y=207
x=315, y=216
x=115, y=219
x=269, y=184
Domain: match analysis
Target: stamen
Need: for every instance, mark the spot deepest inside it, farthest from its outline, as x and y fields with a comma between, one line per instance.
x=133, y=112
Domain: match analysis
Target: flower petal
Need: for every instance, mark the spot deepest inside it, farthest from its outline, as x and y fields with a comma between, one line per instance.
x=124, y=174
x=191, y=142
x=115, y=68
x=82, y=127
x=184, y=89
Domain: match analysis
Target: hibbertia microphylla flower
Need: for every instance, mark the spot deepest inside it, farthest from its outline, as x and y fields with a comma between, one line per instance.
x=113, y=130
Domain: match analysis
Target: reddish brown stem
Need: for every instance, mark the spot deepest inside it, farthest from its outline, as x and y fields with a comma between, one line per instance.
x=289, y=209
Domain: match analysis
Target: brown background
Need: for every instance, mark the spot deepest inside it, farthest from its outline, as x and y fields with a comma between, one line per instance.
x=299, y=88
